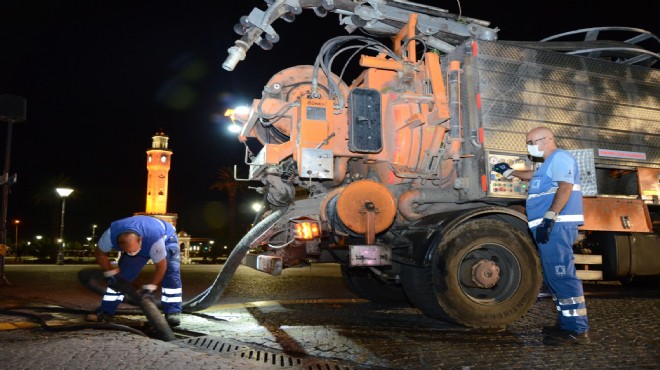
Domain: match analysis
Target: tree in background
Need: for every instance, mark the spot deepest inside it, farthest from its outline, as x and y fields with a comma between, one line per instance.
x=226, y=183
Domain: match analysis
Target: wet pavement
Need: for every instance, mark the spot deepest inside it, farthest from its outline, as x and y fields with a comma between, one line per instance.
x=306, y=319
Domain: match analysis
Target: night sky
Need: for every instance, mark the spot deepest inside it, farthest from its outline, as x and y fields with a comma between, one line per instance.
x=101, y=78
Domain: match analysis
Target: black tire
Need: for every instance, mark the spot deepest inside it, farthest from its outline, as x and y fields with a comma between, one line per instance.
x=364, y=283
x=441, y=291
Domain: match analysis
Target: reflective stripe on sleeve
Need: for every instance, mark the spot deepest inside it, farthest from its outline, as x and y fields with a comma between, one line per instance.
x=561, y=218
x=552, y=190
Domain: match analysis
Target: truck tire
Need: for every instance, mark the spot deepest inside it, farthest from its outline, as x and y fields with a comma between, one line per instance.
x=365, y=284
x=446, y=288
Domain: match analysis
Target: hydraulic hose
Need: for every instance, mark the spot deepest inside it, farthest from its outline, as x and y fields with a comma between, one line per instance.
x=213, y=293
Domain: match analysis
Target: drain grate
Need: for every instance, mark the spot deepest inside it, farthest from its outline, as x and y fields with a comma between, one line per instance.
x=225, y=347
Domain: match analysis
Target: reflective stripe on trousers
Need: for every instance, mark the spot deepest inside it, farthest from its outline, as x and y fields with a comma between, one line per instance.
x=566, y=306
x=561, y=278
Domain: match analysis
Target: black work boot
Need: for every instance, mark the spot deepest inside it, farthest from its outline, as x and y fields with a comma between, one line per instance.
x=547, y=329
x=565, y=338
x=173, y=319
x=103, y=316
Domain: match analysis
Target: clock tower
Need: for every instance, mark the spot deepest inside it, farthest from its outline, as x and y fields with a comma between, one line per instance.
x=159, y=158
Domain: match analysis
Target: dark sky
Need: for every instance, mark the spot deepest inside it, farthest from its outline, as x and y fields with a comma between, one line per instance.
x=100, y=78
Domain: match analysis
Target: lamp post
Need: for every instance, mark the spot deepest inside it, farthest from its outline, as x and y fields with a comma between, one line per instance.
x=16, y=251
x=12, y=110
x=16, y=222
x=64, y=193
x=93, y=235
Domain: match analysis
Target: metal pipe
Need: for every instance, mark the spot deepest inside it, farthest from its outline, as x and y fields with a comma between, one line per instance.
x=454, y=112
x=5, y=199
x=341, y=166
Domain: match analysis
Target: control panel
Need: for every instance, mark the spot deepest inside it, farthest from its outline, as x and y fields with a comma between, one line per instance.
x=498, y=185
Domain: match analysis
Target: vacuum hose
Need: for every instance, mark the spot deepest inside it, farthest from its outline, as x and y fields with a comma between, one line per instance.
x=212, y=294
x=91, y=278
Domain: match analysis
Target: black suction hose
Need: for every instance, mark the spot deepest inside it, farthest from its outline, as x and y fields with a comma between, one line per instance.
x=213, y=293
x=92, y=279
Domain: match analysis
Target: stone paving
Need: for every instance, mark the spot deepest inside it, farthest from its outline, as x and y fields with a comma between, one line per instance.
x=325, y=333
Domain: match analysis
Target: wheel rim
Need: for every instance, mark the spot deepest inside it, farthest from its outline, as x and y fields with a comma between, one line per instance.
x=489, y=258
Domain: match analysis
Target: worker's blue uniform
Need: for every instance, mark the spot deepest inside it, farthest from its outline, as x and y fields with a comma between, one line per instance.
x=159, y=240
x=557, y=254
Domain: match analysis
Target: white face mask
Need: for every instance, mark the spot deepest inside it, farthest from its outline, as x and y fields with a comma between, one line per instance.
x=133, y=254
x=534, y=151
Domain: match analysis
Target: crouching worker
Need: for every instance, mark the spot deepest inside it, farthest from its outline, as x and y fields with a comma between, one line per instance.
x=141, y=238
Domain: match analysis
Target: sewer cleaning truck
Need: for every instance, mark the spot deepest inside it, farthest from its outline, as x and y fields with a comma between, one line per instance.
x=389, y=174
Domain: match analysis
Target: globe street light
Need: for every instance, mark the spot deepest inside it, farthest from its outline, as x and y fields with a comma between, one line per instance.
x=64, y=193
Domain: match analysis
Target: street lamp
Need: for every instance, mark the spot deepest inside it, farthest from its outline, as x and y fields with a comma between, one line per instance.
x=16, y=251
x=93, y=234
x=16, y=222
x=64, y=193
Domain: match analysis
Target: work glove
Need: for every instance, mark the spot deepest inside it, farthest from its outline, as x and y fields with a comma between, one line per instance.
x=503, y=169
x=115, y=281
x=545, y=228
x=147, y=291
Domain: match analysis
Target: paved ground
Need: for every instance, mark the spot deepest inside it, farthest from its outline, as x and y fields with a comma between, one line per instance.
x=311, y=322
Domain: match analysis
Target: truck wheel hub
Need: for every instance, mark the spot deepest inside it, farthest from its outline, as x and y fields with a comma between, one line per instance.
x=485, y=273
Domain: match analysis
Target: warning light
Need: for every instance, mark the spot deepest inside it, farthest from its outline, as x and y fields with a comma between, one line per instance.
x=306, y=230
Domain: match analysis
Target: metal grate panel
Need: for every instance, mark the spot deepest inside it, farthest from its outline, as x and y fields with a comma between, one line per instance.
x=588, y=103
x=223, y=347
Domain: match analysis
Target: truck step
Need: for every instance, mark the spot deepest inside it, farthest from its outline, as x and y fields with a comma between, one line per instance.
x=582, y=262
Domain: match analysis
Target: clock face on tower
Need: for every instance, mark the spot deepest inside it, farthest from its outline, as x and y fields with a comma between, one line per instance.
x=163, y=158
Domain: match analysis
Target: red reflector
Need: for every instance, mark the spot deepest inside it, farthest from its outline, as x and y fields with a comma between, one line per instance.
x=307, y=230
x=475, y=48
x=484, y=183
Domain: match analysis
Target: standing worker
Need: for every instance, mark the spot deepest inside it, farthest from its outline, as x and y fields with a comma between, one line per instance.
x=554, y=212
x=141, y=238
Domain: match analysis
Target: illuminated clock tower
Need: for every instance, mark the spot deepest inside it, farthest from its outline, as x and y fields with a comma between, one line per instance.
x=159, y=158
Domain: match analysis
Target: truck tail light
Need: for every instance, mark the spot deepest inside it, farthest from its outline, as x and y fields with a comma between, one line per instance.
x=306, y=230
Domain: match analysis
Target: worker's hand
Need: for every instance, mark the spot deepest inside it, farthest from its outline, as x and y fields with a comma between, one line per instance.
x=115, y=281
x=544, y=229
x=147, y=291
x=503, y=169
x=111, y=276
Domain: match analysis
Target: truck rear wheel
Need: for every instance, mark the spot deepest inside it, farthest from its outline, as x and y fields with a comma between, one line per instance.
x=484, y=273
x=366, y=284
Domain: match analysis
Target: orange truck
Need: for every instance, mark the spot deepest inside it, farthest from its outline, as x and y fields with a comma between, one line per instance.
x=390, y=175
